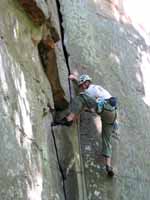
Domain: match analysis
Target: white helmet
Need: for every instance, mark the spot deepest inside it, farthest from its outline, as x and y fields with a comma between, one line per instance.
x=83, y=78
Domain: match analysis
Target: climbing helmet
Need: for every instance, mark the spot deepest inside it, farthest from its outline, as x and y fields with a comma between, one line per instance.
x=83, y=78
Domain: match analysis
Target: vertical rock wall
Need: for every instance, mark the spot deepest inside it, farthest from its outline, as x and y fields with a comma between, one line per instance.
x=36, y=161
x=41, y=163
x=103, y=42
x=26, y=164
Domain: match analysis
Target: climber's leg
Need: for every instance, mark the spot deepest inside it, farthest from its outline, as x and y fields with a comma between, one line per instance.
x=107, y=147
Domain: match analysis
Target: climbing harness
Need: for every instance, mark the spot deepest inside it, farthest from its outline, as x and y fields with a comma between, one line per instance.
x=105, y=108
x=112, y=101
x=109, y=110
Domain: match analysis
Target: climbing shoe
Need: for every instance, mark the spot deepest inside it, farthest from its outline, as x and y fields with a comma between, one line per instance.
x=109, y=170
x=62, y=122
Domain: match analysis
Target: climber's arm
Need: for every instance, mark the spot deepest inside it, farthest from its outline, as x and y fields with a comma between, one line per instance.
x=74, y=79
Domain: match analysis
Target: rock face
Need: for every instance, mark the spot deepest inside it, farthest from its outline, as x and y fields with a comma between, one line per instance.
x=37, y=51
x=103, y=42
x=37, y=162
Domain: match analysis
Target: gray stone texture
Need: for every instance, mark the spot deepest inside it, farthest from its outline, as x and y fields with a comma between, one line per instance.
x=29, y=167
x=112, y=53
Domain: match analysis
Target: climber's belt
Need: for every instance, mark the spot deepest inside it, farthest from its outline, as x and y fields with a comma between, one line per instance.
x=108, y=112
x=112, y=101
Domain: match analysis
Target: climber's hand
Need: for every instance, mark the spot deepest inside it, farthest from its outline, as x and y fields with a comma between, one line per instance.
x=72, y=77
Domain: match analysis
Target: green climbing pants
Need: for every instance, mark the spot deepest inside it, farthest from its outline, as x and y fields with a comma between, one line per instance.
x=107, y=117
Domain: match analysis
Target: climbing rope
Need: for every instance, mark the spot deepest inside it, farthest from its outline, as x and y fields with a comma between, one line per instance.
x=57, y=155
x=66, y=55
x=59, y=164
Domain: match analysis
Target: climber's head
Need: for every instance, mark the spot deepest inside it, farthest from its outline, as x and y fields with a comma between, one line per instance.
x=84, y=81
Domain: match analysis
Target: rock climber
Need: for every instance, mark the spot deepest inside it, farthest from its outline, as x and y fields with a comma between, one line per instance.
x=96, y=99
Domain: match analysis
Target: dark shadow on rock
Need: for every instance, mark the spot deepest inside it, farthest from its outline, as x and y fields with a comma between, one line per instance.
x=48, y=60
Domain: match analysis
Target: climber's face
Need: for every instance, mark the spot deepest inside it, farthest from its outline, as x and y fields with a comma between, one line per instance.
x=85, y=85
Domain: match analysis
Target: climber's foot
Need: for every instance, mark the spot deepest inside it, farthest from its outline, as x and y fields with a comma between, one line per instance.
x=110, y=171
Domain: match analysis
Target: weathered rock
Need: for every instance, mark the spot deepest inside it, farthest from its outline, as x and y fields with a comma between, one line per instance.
x=36, y=10
x=112, y=53
x=44, y=163
x=49, y=61
x=29, y=162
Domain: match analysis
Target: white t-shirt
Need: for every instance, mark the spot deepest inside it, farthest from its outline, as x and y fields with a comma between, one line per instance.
x=97, y=92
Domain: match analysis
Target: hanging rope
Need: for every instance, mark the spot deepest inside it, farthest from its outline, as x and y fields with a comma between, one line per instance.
x=59, y=164
x=66, y=55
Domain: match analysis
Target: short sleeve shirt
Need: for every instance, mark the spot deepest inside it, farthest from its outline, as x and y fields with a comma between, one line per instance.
x=97, y=92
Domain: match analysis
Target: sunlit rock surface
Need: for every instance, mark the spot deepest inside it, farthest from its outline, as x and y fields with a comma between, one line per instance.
x=103, y=41
x=29, y=167
x=110, y=42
